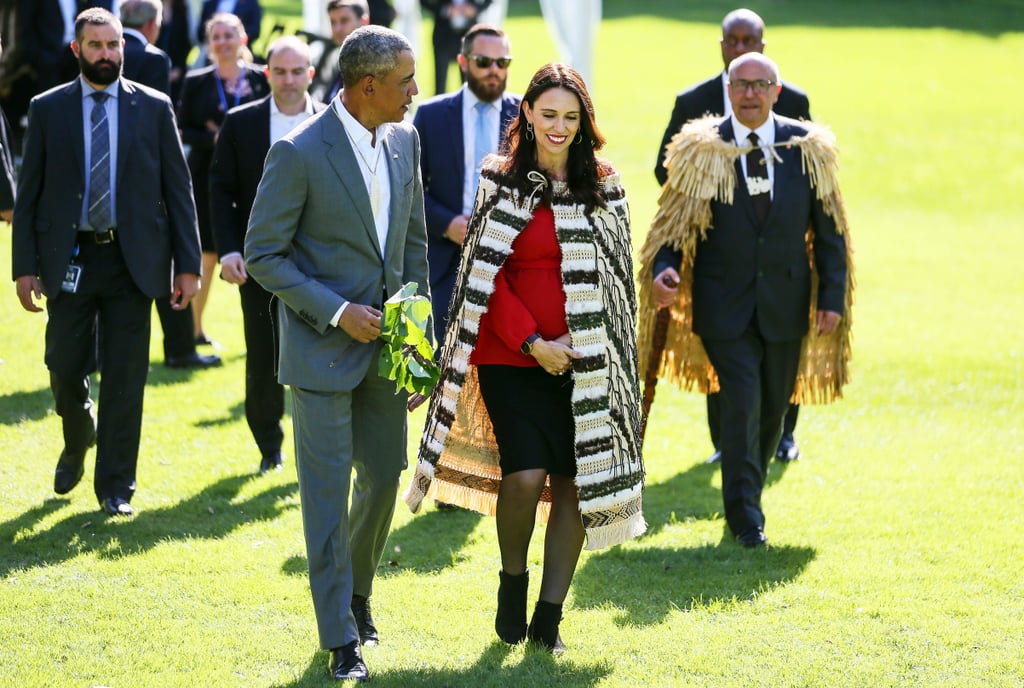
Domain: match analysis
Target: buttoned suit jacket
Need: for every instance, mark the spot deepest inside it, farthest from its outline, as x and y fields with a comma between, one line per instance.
x=312, y=243
x=236, y=171
x=442, y=162
x=745, y=267
x=707, y=98
x=147, y=64
x=156, y=216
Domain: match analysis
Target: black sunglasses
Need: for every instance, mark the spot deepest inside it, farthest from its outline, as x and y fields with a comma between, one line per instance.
x=483, y=62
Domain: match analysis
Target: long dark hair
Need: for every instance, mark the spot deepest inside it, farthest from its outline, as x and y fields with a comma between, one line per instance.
x=583, y=167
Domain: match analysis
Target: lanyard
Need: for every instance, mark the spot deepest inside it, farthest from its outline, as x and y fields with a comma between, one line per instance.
x=220, y=90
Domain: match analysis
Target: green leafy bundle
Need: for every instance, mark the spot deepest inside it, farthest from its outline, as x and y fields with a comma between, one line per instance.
x=408, y=356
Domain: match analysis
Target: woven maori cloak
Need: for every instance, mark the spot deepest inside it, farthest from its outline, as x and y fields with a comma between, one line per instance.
x=458, y=457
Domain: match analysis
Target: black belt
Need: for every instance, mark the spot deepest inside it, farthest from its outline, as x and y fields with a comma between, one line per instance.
x=106, y=236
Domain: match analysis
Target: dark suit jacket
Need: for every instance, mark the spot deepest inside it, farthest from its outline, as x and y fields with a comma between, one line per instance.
x=156, y=217
x=707, y=98
x=146, y=64
x=743, y=267
x=236, y=171
x=442, y=161
x=6, y=165
x=249, y=11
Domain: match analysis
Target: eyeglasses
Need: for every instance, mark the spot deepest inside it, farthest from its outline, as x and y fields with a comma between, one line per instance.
x=759, y=86
x=484, y=62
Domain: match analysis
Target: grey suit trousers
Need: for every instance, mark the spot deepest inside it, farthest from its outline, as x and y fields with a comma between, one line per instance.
x=365, y=429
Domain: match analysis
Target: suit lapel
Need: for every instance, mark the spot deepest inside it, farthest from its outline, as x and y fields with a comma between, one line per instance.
x=77, y=132
x=343, y=159
x=396, y=175
x=454, y=130
x=127, y=126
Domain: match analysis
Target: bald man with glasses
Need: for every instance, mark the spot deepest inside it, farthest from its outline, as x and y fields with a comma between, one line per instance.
x=742, y=32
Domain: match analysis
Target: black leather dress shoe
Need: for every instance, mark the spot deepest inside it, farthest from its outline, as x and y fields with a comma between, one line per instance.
x=115, y=506
x=271, y=460
x=787, y=451
x=347, y=663
x=714, y=458
x=364, y=621
x=70, y=468
x=193, y=360
x=752, y=537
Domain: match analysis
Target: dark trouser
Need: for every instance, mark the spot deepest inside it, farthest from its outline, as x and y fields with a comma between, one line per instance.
x=264, y=396
x=179, y=331
x=447, y=44
x=715, y=422
x=756, y=378
x=108, y=299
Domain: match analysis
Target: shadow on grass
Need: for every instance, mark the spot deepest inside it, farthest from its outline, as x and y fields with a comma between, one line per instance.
x=692, y=494
x=235, y=413
x=160, y=375
x=21, y=406
x=210, y=514
x=648, y=583
x=537, y=668
x=430, y=542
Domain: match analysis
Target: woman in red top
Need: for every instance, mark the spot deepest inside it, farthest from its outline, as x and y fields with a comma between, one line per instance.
x=543, y=332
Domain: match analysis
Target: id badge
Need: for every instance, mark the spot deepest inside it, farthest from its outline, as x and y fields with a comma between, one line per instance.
x=71, y=279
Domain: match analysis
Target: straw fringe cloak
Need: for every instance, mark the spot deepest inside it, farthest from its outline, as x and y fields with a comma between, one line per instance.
x=458, y=457
x=700, y=170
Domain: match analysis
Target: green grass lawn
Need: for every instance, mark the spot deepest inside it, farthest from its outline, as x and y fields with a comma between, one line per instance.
x=897, y=541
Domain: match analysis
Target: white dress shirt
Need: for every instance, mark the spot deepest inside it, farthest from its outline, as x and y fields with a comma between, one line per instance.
x=281, y=124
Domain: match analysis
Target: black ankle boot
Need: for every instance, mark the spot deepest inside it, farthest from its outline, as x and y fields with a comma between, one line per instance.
x=510, y=621
x=543, y=627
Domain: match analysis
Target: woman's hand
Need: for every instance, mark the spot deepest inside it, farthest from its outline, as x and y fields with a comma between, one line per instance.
x=555, y=356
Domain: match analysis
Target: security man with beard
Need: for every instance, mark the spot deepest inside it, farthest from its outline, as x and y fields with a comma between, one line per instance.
x=456, y=131
x=104, y=205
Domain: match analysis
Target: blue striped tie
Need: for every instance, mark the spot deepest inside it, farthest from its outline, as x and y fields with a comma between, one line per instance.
x=99, y=172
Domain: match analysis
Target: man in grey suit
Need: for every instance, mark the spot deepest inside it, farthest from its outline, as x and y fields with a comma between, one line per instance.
x=104, y=205
x=337, y=226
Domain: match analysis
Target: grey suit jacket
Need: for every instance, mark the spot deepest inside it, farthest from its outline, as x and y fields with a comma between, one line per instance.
x=311, y=242
x=156, y=216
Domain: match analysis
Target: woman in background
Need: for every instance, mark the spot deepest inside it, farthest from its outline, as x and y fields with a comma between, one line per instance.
x=230, y=80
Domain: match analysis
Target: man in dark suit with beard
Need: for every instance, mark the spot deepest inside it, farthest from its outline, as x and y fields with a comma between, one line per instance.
x=150, y=66
x=742, y=32
x=104, y=207
x=242, y=146
x=450, y=159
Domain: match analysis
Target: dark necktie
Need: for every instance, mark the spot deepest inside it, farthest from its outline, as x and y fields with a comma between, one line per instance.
x=99, y=171
x=758, y=183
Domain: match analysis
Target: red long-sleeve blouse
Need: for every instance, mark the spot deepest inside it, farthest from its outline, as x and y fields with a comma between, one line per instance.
x=528, y=296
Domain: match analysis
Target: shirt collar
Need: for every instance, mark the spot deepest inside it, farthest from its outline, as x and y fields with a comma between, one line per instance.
x=274, y=111
x=765, y=132
x=88, y=90
x=356, y=131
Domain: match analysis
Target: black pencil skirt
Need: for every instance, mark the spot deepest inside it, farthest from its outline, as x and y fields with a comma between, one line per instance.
x=531, y=412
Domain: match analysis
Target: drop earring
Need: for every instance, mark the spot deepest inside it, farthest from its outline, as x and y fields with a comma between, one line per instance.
x=579, y=136
x=529, y=131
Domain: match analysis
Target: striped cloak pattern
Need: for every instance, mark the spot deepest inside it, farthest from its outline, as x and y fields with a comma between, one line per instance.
x=458, y=457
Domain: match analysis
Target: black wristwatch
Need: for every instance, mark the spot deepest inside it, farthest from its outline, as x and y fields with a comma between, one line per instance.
x=527, y=347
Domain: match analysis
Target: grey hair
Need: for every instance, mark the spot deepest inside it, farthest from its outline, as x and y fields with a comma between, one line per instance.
x=137, y=13
x=760, y=58
x=370, y=50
